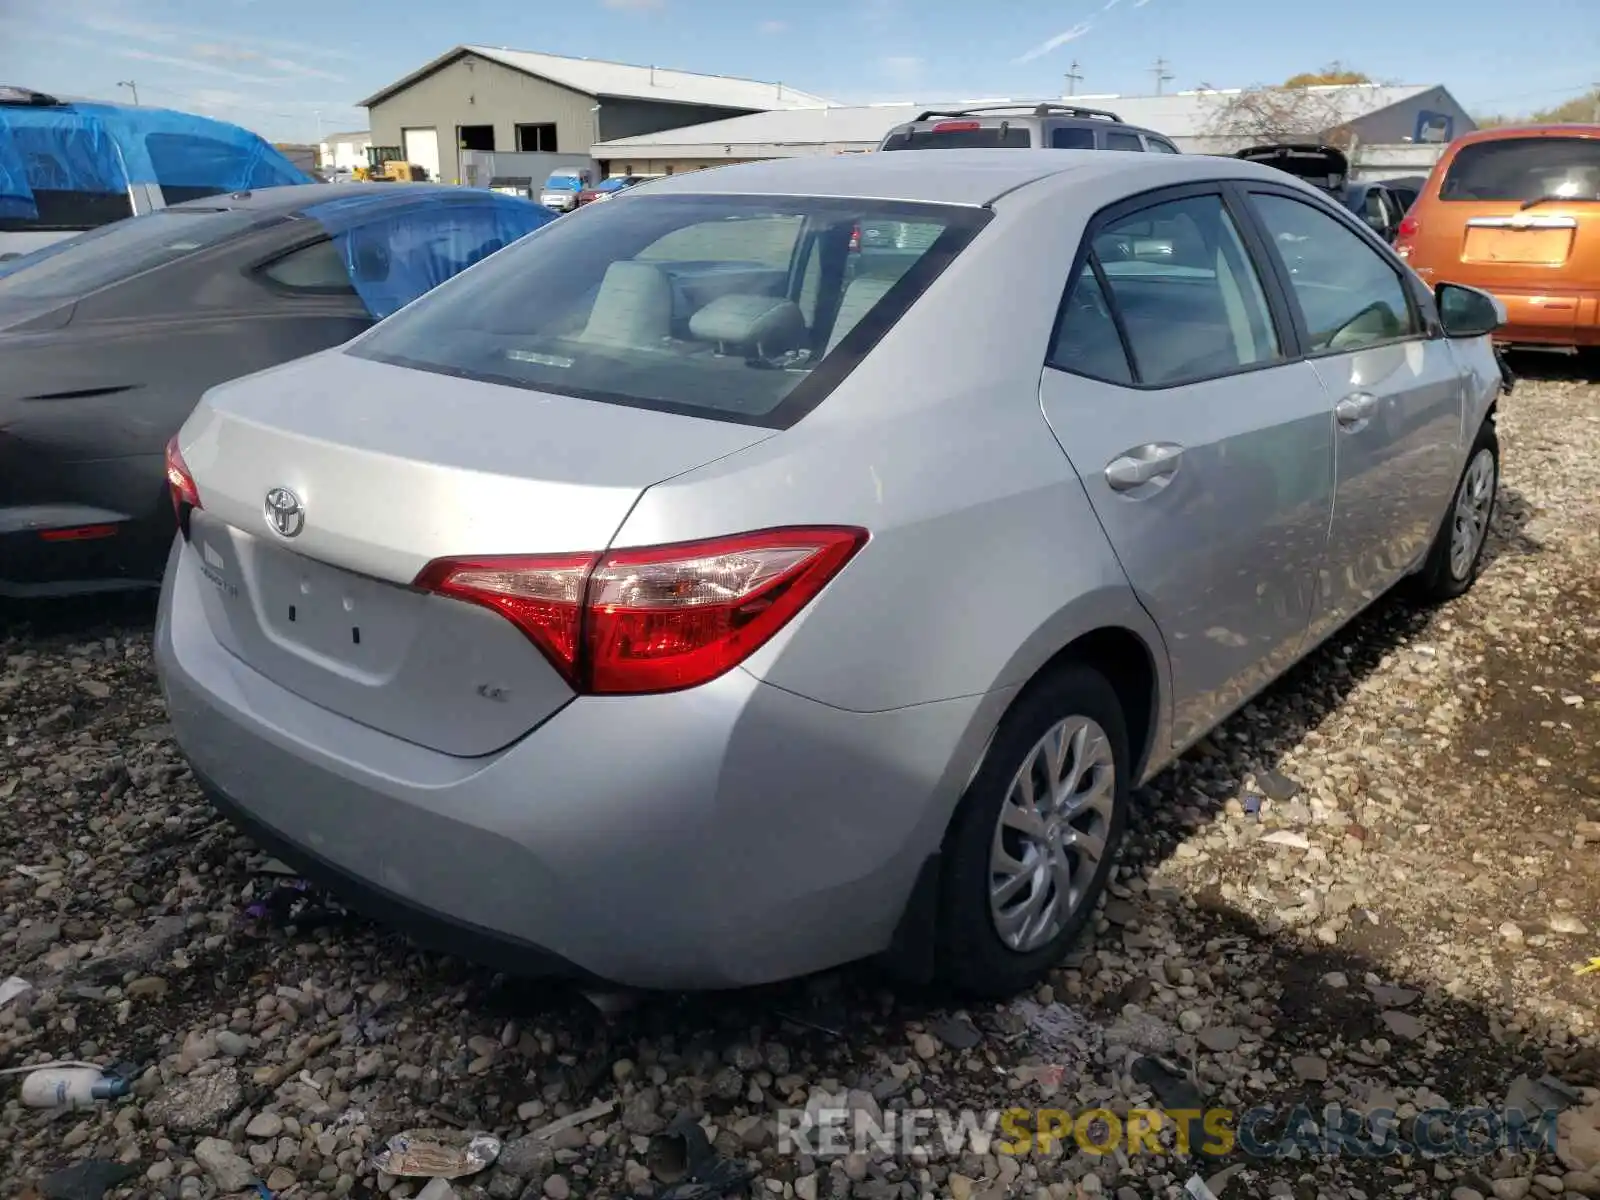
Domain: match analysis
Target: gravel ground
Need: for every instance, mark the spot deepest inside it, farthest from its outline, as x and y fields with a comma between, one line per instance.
x=1370, y=888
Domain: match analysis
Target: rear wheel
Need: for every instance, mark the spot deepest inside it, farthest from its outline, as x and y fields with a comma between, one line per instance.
x=1031, y=847
x=1457, y=552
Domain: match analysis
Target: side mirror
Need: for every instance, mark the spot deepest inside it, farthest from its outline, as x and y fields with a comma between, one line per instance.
x=1466, y=312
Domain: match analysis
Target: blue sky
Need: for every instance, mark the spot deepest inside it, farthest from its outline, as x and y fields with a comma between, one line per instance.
x=284, y=66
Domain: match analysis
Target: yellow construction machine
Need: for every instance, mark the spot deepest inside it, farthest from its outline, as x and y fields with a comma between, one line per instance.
x=387, y=164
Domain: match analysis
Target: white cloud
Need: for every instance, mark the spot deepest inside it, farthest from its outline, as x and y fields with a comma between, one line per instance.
x=774, y=27
x=634, y=5
x=224, y=53
x=1060, y=39
x=197, y=66
x=90, y=15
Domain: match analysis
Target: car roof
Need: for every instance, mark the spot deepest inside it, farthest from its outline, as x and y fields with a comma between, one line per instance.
x=1502, y=132
x=966, y=177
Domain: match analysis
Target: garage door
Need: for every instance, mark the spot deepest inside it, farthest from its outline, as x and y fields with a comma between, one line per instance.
x=422, y=148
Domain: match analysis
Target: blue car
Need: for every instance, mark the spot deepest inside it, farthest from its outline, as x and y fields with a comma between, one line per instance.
x=66, y=167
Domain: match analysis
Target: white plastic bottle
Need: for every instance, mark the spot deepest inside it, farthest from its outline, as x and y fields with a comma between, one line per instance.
x=70, y=1087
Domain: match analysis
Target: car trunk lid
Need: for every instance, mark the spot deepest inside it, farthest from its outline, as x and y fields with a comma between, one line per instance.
x=375, y=470
x=1324, y=167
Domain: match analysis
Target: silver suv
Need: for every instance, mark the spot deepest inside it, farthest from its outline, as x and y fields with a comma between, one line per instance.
x=1024, y=126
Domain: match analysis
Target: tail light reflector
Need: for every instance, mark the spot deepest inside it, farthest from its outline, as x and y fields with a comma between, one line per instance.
x=78, y=533
x=957, y=126
x=180, y=483
x=655, y=619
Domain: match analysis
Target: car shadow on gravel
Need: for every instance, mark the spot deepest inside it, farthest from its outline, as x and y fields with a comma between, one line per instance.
x=79, y=618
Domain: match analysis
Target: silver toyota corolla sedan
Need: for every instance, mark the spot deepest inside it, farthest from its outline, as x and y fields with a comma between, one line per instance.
x=803, y=561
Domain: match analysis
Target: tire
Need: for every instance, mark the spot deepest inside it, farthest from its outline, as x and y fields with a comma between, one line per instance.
x=972, y=956
x=1446, y=573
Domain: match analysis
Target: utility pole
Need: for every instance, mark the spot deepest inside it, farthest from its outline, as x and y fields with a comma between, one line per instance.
x=132, y=87
x=1074, y=77
x=1163, y=76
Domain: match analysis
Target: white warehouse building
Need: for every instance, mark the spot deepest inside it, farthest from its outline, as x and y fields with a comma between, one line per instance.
x=1197, y=121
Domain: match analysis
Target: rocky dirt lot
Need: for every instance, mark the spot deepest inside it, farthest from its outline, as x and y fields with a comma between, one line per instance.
x=1370, y=888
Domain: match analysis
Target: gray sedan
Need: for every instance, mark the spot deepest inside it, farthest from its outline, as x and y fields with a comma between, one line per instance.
x=701, y=593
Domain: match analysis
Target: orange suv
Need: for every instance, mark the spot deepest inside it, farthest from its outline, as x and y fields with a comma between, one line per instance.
x=1516, y=212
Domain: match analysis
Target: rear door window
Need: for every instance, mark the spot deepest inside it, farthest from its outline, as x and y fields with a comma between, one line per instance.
x=318, y=268
x=67, y=179
x=1123, y=141
x=190, y=167
x=1158, y=146
x=1186, y=292
x=747, y=309
x=1519, y=170
x=1071, y=137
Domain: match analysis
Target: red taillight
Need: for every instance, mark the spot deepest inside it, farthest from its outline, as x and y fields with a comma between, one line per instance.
x=541, y=595
x=1409, y=226
x=180, y=483
x=855, y=237
x=78, y=533
x=957, y=126
x=657, y=619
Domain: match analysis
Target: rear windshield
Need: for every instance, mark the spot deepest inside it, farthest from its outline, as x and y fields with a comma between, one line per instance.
x=112, y=253
x=747, y=309
x=988, y=137
x=1524, y=169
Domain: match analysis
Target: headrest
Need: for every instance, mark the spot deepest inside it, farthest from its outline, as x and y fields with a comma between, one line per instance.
x=771, y=324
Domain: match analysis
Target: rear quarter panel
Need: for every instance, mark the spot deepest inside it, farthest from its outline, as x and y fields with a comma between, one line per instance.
x=985, y=558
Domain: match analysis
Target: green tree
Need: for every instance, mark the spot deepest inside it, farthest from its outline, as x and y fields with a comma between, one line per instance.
x=1581, y=110
x=1333, y=73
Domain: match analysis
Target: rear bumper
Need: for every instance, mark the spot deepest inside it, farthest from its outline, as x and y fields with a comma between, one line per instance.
x=73, y=549
x=1544, y=318
x=732, y=835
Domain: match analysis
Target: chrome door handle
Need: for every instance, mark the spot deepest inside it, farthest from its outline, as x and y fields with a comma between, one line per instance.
x=1355, y=408
x=1142, y=465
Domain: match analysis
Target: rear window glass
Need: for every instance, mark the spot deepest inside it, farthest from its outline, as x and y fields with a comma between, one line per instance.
x=1124, y=141
x=989, y=137
x=739, y=308
x=116, y=252
x=1523, y=169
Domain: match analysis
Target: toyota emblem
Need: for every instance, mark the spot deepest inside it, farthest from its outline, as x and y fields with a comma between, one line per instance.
x=285, y=513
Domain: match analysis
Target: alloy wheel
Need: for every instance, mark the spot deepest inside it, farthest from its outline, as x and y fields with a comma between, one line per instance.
x=1051, y=835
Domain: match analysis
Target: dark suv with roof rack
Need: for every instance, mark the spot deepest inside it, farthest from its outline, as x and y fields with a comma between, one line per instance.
x=1025, y=126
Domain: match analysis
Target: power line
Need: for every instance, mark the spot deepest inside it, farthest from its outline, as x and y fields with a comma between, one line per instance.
x=1162, y=75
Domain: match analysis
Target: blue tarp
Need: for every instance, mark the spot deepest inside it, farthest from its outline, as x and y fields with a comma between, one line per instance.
x=102, y=148
x=396, y=248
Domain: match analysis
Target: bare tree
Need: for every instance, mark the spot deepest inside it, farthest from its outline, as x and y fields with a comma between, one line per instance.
x=1283, y=114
